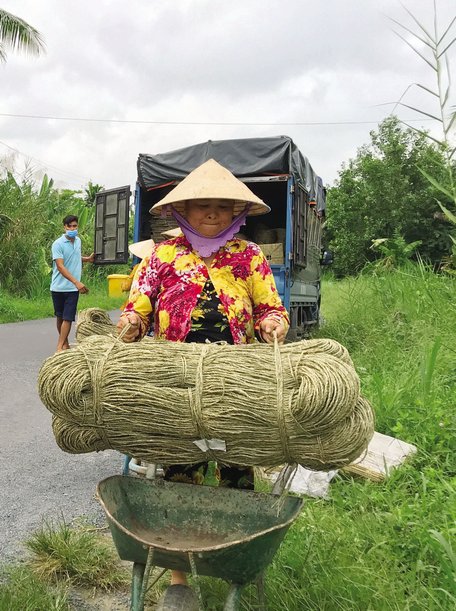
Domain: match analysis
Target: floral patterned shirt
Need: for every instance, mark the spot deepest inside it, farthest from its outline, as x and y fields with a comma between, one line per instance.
x=169, y=283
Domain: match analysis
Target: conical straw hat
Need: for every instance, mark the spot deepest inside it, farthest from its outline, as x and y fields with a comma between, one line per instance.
x=212, y=181
x=141, y=249
x=172, y=233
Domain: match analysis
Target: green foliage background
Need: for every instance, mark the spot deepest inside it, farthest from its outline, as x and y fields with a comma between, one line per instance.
x=30, y=220
x=383, y=194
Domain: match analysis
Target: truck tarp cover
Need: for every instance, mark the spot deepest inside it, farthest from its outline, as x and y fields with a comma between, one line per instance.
x=243, y=157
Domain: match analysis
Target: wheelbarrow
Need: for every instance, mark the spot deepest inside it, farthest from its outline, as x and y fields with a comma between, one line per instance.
x=219, y=532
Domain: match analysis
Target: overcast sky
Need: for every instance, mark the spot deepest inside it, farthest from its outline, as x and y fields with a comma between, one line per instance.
x=197, y=70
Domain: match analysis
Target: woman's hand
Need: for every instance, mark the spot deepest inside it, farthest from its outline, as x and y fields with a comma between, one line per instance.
x=267, y=328
x=132, y=319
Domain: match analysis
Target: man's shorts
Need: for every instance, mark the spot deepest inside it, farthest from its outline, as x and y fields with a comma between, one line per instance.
x=65, y=304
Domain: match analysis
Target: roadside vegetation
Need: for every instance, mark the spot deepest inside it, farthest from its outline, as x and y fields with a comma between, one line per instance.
x=63, y=558
x=22, y=590
x=30, y=220
x=17, y=309
x=402, y=185
x=79, y=554
x=387, y=545
x=382, y=194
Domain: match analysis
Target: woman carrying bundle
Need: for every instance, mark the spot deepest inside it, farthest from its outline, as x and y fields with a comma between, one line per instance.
x=206, y=285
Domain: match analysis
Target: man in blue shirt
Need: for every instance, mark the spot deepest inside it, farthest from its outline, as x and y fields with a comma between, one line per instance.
x=66, y=282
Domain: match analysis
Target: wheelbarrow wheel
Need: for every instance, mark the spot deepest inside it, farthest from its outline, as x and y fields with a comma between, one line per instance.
x=178, y=598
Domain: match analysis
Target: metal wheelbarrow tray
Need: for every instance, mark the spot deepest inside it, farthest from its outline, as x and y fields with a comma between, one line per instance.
x=219, y=532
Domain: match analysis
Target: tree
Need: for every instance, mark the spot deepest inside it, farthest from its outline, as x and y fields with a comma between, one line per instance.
x=25, y=247
x=90, y=193
x=383, y=194
x=16, y=34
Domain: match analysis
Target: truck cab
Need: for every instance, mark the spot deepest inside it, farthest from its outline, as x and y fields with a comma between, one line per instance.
x=276, y=171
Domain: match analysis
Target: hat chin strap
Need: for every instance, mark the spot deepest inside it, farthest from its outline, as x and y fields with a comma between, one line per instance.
x=204, y=245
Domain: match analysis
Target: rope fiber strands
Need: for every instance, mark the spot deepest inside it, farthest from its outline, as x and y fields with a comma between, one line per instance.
x=296, y=403
x=94, y=321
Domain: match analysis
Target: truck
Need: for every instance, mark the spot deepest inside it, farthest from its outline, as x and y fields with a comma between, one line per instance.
x=275, y=170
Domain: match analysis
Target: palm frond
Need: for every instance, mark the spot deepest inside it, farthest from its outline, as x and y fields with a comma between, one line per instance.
x=16, y=34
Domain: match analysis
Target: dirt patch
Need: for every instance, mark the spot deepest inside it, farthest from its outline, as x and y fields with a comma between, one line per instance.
x=86, y=600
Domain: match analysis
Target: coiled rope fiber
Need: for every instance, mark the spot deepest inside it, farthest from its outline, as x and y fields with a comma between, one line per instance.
x=94, y=321
x=296, y=403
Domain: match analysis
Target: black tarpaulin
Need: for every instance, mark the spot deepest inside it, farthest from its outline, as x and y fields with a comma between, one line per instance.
x=243, y=157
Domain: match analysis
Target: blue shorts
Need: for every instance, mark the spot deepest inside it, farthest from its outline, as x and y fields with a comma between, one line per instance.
x=65, y=304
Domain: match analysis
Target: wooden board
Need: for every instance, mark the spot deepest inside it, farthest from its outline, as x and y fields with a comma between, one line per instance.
x=383, y=454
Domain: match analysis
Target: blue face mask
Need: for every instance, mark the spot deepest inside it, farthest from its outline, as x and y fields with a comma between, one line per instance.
x=71, y=233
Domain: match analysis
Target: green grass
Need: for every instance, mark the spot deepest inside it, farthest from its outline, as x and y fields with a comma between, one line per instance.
x=62, y=557
x=400, y=329
x=16, y=309
x=22, y=590
x=370, y=547
x=80, y=555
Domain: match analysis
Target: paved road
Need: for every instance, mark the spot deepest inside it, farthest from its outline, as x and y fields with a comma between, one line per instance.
x=37, y=480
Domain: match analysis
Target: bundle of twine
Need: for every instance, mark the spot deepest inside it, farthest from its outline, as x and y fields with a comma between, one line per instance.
x=94, y=321
x=296, y=403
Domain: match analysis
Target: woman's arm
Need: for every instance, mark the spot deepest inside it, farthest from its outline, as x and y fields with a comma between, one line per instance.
x=139, y=309
x=269, y=314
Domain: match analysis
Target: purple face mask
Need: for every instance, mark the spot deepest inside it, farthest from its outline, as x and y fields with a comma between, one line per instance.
x=207, y=246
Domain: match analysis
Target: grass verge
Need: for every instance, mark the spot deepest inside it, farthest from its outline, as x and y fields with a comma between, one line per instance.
x=22, y=590
x=80, y=555
x=17, y=309
x=63, y=558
